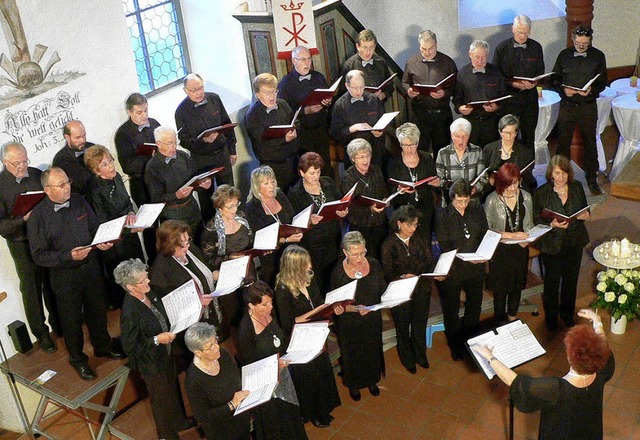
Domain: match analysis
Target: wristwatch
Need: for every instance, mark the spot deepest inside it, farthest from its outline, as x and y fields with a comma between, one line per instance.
x=155, y=341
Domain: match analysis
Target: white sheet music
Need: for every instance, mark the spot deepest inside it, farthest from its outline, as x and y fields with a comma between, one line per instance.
x=536, y=232
x=485, y=250
x=302, y=219
x=384, y=120
x=307, y=342
x=147, y=215
x=200, y=176
x=183, y=306
x=397, y=292
x=513, y=344
x=109, y=231
x=232, y=273
x=348, y=291
x=267, y=237
x=479, y=176
x=261, y=379
x=443, y=266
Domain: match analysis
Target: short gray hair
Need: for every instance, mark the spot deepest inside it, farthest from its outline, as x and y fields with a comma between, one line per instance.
x=189, y=77
x=129, y=271
x=296, y=51
x=460, y=124
x=353, y=238
x=479, y=44
x=163, y=130
x=257, y=176
x=408, y=131
x=507, y=120
x=198, y=335
x=44, y=178
x=357, y=145
x=11, y=146
x=352, y=74
x=523, y=20
x=427, y=35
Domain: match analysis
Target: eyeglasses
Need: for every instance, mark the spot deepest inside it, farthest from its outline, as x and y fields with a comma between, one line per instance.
x=362, y=157
x=358, y=255
x=19, y=163
x=304, y=60
x=212, y=346
x=310, y=273
x=199, y=89
x=235, y=205
x=185, y=244
x=269, y=92
x=462, y=201
x=62, y=184
x=106, y=163
x=409, y=145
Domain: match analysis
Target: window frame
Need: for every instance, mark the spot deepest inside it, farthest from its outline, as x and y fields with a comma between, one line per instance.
x=182, y=41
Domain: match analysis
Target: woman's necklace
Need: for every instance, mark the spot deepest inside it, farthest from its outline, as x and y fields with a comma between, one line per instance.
x=255, y=318
x=275, y=216
x=212, y=370
x=405, y=242
x=513, y=226
x=560, y=191
x=366, y=184
x=506, y=154
x=413, y=173
x=318, y=199
x=182, y=260
x=356, y=273
x=583, y=380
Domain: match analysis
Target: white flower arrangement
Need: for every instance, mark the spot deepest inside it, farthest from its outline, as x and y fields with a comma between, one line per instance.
x=619, y=293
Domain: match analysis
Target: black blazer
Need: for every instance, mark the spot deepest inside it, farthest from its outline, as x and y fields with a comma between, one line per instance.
x=166, y=274
x=138, y=326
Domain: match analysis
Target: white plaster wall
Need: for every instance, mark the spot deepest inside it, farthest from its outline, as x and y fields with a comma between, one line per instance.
x=617, y=32
x=615, y=24
x=90, y=38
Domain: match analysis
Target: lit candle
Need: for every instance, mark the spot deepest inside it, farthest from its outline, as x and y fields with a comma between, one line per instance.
x=624, y=248
x=615, y=248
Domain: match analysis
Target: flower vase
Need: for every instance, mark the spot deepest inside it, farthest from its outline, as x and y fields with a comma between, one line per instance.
x=619, y=326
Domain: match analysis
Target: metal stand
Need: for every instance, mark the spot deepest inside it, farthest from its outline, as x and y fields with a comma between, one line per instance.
x=117, y=379
x=511, y=417
x=66, y=391
x=16, y=394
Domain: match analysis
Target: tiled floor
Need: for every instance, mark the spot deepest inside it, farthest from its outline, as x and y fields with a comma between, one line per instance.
x=452, y=400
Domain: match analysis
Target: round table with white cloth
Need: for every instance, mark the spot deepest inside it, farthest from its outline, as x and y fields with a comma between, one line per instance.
x=548, y=110
x=622, y=86
x=626, y=112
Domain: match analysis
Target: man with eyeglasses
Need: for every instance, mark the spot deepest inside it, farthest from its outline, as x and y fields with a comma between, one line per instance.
x=373, y=67
x=164, y=176
x=576, y=66
x=71, y=157
x=16, y=178
x=480, y=81
x=313, y=132
x=199, y=111
x=355, y=111
x=521, y=56
x=137, y=130
x=59, y=230
x=431, y=113
x=280, y=153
